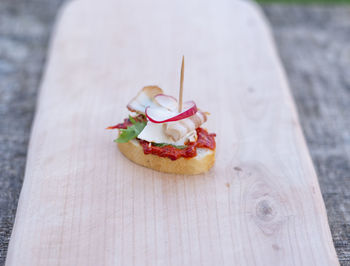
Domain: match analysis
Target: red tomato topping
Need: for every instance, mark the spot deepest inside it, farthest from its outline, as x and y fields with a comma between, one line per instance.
x=204, y=140
x=127, y=123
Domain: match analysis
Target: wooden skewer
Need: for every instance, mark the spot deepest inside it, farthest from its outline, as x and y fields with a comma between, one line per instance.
x=181, y=84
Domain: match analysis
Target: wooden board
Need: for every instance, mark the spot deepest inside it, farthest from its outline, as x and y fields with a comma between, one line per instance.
x=83, y=203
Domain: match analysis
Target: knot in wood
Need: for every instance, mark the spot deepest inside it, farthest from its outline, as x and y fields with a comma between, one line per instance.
x=265, y=210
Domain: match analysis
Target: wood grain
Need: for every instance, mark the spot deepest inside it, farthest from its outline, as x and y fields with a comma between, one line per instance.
x=83, y=203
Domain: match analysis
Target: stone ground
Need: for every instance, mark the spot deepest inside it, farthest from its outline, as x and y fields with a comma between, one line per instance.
x=314, y=44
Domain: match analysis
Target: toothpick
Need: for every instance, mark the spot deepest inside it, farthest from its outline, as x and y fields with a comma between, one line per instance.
x=181, y=83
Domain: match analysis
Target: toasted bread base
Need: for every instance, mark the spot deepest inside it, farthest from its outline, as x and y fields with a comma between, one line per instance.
x=201, y=163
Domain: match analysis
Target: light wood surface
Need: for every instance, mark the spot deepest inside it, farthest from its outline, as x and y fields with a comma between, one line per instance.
x=83, y=203
x=181, y=90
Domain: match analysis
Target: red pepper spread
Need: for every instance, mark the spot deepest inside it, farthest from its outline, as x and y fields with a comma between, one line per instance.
x=127, y=123
x=204, y=140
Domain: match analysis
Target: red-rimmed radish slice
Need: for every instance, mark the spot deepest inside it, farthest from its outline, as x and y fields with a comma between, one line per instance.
x=163, y=115
x=143, y=99
x=166, y=101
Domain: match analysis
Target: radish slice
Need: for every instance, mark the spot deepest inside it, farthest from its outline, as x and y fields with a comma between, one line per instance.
x=163, y=115
x=143, y=99
x=166, y=101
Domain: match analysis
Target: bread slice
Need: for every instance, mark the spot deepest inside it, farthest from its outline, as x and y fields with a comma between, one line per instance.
x=189, y=166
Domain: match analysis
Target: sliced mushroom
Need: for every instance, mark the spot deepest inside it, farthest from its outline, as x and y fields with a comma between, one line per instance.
x=179, y=129
x=144, y=99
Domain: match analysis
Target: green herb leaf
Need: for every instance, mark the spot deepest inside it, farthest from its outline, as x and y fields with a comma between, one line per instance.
x=131, y=132
x=166, y=144
x=132, y=120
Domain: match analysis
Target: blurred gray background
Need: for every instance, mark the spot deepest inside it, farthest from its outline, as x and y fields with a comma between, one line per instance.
x=314, y=45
